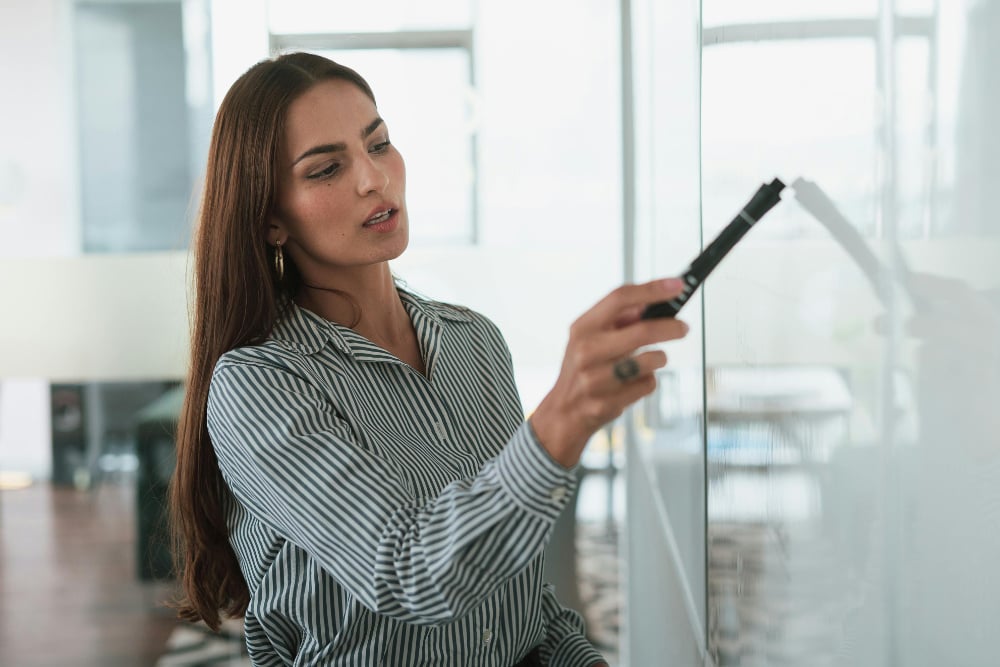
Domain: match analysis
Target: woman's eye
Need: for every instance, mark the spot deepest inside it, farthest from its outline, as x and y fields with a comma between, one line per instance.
x=329, y=171
x=380, y=147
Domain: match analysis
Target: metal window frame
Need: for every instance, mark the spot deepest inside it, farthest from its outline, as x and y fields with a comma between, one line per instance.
x=402, y=40
x=905, y=26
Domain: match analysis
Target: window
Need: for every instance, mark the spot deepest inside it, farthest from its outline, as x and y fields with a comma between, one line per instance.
x=143, y=122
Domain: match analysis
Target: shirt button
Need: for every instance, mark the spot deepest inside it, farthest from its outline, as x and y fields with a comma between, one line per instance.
x=487, y=636
x=557, y=494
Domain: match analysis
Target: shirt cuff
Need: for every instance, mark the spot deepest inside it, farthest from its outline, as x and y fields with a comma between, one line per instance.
x=536, y=482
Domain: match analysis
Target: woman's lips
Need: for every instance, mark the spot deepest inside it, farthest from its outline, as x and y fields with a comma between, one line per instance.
x=379, y=217
x=386, y=221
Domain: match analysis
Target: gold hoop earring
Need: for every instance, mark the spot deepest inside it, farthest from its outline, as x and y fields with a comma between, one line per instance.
x=279, y=261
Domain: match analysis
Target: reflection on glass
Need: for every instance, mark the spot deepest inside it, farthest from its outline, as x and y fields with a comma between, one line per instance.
x=852, y=379
x=789, y=108
x=916, y=130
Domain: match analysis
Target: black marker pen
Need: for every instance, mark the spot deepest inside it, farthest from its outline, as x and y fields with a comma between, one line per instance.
x=763, y=201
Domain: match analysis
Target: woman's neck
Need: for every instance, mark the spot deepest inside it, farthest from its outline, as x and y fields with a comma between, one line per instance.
x=365, y=300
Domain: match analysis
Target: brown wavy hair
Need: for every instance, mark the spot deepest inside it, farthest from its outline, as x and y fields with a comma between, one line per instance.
x=237, y=300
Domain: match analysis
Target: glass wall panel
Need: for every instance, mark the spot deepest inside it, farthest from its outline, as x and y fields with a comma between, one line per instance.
x=793, y=363
x=850, y=341
x=851, y=371
x=665, y=568
x=941, y=526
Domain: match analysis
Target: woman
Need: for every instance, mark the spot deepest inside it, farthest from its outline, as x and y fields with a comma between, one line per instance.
x=354, y=474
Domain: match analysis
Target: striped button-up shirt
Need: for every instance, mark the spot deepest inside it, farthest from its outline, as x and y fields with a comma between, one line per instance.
x=386, y=517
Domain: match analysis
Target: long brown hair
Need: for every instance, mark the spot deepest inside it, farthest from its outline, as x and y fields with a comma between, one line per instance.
x=238, y=298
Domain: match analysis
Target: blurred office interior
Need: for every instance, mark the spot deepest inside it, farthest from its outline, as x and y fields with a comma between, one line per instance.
x=816, y=480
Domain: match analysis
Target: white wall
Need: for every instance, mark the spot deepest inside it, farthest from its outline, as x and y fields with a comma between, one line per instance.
x=25, y=423
x=118, y=317
x=38, y=191
x=38, y=204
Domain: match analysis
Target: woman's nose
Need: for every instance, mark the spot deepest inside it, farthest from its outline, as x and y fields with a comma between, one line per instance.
x=372, y=177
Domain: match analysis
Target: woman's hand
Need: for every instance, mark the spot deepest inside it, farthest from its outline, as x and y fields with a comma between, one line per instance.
x=589, y=392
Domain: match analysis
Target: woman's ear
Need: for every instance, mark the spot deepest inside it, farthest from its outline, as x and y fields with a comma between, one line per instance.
x=276, y=233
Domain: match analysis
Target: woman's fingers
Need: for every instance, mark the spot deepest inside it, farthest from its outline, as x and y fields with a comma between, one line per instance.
x=624, y=341
x=612, y=377
x=602, y=373
x=625, y=304
x=600, y=347
x=603, y=392
x=607, y=379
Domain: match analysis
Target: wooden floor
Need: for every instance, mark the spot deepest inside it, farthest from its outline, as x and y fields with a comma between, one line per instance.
x=69, y=594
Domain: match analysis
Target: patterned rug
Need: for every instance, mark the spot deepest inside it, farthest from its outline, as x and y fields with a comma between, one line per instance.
x=196, y=646
x=598, y=569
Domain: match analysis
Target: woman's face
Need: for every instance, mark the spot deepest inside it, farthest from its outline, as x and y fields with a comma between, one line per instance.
x=340, y=184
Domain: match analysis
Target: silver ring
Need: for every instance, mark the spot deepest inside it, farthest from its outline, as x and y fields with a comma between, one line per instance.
x=626, y=369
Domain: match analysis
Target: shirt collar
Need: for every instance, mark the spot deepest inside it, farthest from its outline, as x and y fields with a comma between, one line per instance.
x=434, y=310
x=307, y=332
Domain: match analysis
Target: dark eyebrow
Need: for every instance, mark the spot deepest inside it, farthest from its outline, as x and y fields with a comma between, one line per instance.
x=340, y=146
